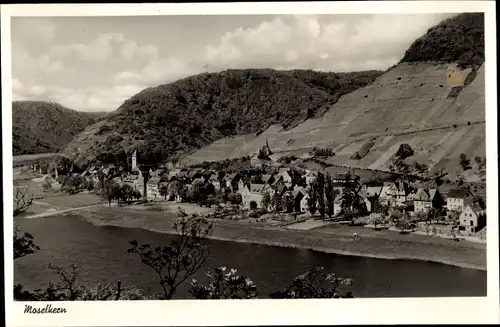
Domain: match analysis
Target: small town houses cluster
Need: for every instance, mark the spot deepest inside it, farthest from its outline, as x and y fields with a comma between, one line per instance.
x=295, y=184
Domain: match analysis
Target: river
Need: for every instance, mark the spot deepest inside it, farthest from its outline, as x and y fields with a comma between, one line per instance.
x=102, y=253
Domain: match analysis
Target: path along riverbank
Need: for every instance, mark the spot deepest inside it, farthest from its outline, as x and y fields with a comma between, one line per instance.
x=330, y=239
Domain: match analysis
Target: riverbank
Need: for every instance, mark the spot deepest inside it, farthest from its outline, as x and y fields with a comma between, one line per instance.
x=333, y=238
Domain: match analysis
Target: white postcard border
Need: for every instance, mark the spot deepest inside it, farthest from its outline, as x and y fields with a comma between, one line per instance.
x=263, y=312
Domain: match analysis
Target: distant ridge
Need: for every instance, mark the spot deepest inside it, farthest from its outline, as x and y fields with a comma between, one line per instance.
x=45, y=127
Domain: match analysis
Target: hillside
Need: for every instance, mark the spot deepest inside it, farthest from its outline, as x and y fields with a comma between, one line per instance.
x=43, y=127
x=198, y=110
x=433, y=100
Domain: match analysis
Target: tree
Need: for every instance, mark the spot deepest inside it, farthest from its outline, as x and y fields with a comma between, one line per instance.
x=111, y=191
x=460, y=180
x=329, y=195
x=309, y=285
x=312, y=201
x=421, y=169
x=438, y=177
x=464, y=162
x=287, y=202
x=224, y=286
x=277, y=202
x=481, y=166
x=126, y=193
x=266, y=200
x=89, y=185
x=235, y=198
x=163, y=191
x=403, y=223
x=319, y=189
x=404, y=151
x=225, y=194
x=23, y=244
x=376, y=220
x=69, y=288
x=350, y=197
x=198, y=193
x=22, y=201
x=253, y=205
x=182, y=258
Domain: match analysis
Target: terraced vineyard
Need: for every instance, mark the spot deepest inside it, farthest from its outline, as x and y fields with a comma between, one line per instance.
x=411, y=104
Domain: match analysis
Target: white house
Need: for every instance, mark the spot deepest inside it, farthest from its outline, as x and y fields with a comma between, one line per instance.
x=457, y=200
x=304, y=203
x=310, y=176
x=472, y=219
x=252, y=194
x=283, y=173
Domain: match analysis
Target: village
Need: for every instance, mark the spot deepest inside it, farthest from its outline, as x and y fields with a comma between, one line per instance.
x=268, y=190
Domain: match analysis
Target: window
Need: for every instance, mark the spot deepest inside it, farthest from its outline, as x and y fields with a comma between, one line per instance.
x=472, y=223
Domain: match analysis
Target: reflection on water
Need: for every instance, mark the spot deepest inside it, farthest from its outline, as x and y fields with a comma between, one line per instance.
x=102, y=252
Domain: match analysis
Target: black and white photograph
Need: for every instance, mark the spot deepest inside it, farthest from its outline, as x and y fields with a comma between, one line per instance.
x=248, y=156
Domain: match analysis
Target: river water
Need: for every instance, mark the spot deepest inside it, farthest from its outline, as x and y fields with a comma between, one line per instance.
x=102, y=253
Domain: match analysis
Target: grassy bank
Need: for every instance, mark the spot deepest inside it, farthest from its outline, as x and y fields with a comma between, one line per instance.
x=330, y=239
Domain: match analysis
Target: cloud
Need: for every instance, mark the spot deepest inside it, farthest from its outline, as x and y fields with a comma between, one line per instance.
x=35, y=28
x=101, y=73
x=309, y=42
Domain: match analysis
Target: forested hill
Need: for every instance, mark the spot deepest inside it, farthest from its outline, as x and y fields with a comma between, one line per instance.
x=43, y=127
x=200, y=109
x=457, y=39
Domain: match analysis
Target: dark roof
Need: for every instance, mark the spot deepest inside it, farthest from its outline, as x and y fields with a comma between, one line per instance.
x=459, y=193
x=476, y=208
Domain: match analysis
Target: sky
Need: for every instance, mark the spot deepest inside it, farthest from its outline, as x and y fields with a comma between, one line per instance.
x=96, y=63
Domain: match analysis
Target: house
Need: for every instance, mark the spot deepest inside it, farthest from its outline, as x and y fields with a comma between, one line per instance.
x=173, y=173
x=268, y=188
x=248, y=196
x=152, y=188
x=425, y=199
x=256, y=162
x=267, y=178
x=232, y=181
x=373, y=191
x=284, y=175
x=370, y=202
x=310, y=176
x=159, y=172
x=337, y=206
x=280, y=189
x=194, y=174
x=472, y=219
x=304, y=203
x=135, y=180
x=214, y=180
x=394, y=193
x=458, y=199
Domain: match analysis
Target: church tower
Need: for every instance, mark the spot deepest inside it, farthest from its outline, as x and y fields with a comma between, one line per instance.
x=134, y=160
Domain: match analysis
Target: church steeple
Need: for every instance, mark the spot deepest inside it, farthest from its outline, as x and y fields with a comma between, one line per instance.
x=134, y=160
